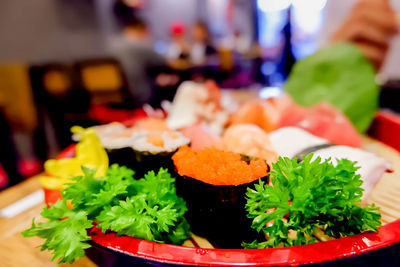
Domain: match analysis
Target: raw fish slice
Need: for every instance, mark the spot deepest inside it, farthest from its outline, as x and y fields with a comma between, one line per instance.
x=214, y=93
x=200, y=136
x=249, y=140
x=187, y=100
x=200, y=103
x=290, y=141
x=265, y=113
x=322, y=120
x=252, y=112
x=371, y=167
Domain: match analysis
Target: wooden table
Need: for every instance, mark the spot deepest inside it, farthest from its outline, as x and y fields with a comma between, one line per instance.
x=15, y=250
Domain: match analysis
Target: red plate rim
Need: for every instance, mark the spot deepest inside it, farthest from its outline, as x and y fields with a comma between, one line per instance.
x=307, y=254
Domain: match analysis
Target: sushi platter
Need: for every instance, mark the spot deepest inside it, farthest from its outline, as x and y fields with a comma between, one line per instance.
x=202, y=178
x=282, y=177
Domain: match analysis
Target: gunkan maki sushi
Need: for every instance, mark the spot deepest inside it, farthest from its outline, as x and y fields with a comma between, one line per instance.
x=214, y=183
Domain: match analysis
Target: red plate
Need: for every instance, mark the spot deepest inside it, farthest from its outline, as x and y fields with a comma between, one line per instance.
x=365, y=249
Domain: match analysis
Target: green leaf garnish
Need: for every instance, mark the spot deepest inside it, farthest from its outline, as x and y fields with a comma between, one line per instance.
x=308, y=195
x=147, y=208
x=65, y=232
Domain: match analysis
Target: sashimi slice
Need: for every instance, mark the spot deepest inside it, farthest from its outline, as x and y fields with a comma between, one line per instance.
x=292, y=142
x=371, y=167
x=188, y=99
x=322, y=120
x=249, y=140
x=200, y=136
x=264, y=113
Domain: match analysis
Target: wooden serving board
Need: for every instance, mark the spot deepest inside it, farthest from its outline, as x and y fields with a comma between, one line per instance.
x=16, y=250
x=386, y=193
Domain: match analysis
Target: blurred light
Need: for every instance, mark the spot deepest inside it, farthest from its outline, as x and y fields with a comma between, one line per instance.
x=307, y=19
x=270, y=92
x=267, y=68
x=273, y=5
x=276, y=79
x=271, y=25
x=312, y=5
x=133, y=3
x=160, y=47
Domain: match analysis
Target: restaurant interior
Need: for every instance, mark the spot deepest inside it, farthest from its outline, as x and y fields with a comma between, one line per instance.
x=68, y=63
x=60, y=64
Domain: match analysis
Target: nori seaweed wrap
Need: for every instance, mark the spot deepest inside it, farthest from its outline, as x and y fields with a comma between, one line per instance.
x=144, y=151
x=214, y=183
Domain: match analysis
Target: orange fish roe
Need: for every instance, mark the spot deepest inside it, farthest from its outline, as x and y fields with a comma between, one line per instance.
x=218, y=167
x=156, y=140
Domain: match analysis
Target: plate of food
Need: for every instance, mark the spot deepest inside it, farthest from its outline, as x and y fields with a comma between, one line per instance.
x=228, y=180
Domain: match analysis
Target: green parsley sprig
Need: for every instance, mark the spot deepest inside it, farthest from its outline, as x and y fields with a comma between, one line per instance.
x=306, y=196
x=147, y=208
x=65, y=232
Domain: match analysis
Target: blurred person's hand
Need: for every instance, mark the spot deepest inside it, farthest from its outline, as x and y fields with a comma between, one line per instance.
x=370, y=25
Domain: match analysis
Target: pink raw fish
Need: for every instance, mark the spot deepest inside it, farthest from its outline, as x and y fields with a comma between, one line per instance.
x=200, y=136
x=322, y=120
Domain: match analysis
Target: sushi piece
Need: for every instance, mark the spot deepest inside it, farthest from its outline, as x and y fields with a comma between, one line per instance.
x=265, y=113
x=151, y=124
x=186, y=105
x=142, y=125
x=371, y=167
x=294, y=142
x=196, y=103
x=200, y=136
x=144, y=151
x=291, y=141
x=250, y=140
x=103, y=131
x=119, y=148
x=213, y=183
x=322, y=120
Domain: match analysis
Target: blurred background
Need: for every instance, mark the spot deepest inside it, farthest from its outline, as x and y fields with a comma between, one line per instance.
x=85, y=62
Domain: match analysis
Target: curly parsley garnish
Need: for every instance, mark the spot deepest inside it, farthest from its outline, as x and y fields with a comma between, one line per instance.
x=307, y=196
x=147, y=208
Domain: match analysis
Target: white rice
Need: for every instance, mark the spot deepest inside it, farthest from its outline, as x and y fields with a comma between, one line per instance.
x=170, y=144
x=117, y=142
x=138, y=142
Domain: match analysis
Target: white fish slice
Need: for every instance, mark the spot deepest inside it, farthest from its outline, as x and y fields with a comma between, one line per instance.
x=289, y=141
